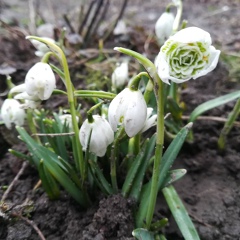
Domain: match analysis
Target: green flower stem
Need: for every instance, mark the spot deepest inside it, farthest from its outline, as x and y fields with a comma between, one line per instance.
x=114, y=158
x=148, y=90
x=173, y=91
x=178, y=16
x=228, y=125
x=134, y=145
x=134, y=83
x=32, y=126
x=59, y=54
x=158, y=88
x=46, y=57
x=91, y=94
x=89, y=112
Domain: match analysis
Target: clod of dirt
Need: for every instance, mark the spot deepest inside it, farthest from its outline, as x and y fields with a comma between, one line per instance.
x=113, y=219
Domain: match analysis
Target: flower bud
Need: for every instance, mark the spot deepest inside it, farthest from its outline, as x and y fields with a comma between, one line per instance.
x=128, y=108
x=185, y=55
x=67, y=119
x=120, y=75
x=40, y=81
x=12, y=112
x=101, y=135
x=164, y=27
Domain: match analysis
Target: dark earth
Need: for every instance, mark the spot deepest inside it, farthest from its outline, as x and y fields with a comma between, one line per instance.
x=210, y=189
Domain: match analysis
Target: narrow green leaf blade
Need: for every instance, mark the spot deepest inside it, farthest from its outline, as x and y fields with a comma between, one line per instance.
x=48, y=182
x=212, y=104
x=143, y=234
x=173, y=176
x=138, y=181
x=132, y=172
x=180, y=214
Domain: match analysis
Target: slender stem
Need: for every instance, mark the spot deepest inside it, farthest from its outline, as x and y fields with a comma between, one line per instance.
x=158, y=88
x=228, y=125
x=148, y=90
x=114, y=158
x=98, y=94
x=32, y=126
x=178, y=16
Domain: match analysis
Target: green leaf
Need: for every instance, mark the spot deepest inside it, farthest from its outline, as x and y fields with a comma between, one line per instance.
x=138, y=181
x=167, y=161
x=212, y=104
x=180, y=214
x=143, y=234
x=104, y=184
x=137, y=162
x=53, y=165
x=173, y=176
x=48, y=182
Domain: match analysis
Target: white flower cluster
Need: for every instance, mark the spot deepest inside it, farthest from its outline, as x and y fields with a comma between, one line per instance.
x=129, y=109
x=39, y=84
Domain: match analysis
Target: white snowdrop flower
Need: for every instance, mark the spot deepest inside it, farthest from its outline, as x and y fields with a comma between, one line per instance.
x=164, y=27
x=42, y=48
x=120, y=28
x=185, y=55
x=40, y=81
x=120, y=75
x=12, y=113
x=151, y=120
x=67, y=119
x=128, y=108
x=102, y=135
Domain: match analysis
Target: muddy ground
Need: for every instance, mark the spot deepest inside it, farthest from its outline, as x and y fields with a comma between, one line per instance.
x=210, y=190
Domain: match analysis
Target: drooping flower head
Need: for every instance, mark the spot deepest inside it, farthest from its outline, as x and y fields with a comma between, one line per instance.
x=164, y=27
x=120, y=75
x=185, y=55
x=101, y=132
x=12, y=113
x=40, y=81
x=128, y=108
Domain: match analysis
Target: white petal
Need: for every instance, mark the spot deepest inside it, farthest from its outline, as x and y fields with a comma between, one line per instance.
x=84, y=134
x=18, y=88
x=192, y=34
x=164, y=26
x=136, y=114
x=117, y=108
x=213, y=61
x=40, y=81
x=162, y=68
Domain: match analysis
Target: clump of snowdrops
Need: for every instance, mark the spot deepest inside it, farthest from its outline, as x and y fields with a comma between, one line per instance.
x=85, y=153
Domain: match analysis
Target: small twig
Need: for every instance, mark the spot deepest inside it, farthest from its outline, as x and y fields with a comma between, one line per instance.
x=212, y=118
x=31, y=223
x=53, y=134
x=24, y=165
x=65, y=17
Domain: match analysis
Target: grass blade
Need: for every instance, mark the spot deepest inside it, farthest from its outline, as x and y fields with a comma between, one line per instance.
x=212, y=104
x=180, y=214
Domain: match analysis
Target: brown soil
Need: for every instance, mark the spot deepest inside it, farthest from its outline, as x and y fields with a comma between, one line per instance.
x=210, y=190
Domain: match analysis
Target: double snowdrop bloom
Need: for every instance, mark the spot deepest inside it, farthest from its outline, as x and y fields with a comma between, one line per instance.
x=185, y=55
x=164, y=27
x=39, y=84
x=120, y=75
x=12, y=113
x=101, y=133
x=128, y=108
